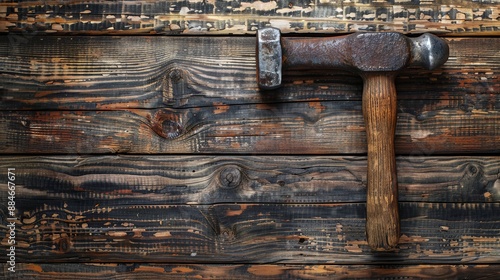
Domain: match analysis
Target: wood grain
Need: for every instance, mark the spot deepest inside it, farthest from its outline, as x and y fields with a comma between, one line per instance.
x=243, y=17
x=149, y=180
x=239, y=184
x=379, y=111
x=48, y=271
x=64, y=230
x=424, y=127
x=101, y=73
x=149, y=208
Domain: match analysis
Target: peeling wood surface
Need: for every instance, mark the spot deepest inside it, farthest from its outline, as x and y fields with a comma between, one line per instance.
x=64, y=231
x=281, y=128
x=47, y=271
x=243, y=17
x=103, y=73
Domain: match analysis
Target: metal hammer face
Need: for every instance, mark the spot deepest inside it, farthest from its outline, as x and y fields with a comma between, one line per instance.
x=377, y=58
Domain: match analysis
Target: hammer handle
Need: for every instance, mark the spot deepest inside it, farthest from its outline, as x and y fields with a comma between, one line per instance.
x=379, y=110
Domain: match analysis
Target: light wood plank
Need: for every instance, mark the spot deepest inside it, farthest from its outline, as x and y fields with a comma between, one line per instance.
x=89, y=73
x=243, y=17
x=63, y=230
x=423, y=128
x=48, y=271
x=174, y=180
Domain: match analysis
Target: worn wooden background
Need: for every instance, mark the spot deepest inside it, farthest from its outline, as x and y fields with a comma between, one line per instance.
x=459, y=17
x=156, y=156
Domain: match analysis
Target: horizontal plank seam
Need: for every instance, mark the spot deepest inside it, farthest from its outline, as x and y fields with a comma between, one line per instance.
x=201, y=262
x=249, y=104
x=360, y=155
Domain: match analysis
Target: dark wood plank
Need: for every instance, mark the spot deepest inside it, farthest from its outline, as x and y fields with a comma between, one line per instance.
x=149, y=180
x=88, y=73
x=196, y=271
x=424, y=127
x=241, y=17
x=63, y=231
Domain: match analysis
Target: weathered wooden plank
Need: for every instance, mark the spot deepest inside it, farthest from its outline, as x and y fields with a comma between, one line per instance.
x=88, y=73
x=242, y=17
x=64, y=231
x=424, y=127
x=196, y=271
x=149, y=180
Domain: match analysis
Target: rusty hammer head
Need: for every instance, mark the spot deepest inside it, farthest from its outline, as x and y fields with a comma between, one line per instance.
x=361, y=52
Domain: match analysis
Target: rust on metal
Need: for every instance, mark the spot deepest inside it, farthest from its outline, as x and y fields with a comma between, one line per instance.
x=359, y=52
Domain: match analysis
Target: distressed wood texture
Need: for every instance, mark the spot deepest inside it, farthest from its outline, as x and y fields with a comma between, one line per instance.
x=158, y=157
x=66, y=230
x=150, y=180
x=427, y=127
x=154, y=271
x=97, y=73
x=379, y=111
x=242, y=17
x=139, y=209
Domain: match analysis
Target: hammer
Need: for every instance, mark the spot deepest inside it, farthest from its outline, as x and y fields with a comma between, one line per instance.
x=377, y=58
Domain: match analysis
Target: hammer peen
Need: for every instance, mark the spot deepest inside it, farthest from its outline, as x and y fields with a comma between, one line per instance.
x=377, y=58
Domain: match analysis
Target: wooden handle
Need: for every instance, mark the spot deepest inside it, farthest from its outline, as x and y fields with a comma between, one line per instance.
x=379, y=110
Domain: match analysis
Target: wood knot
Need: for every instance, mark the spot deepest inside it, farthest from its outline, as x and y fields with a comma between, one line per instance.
x=176, y=75
x=176, y=86
x=167, y=125
x=230, y=177
x=227, y=235
x=472, y=170
x=473, y=180
x=171, y=129
x=63, y=244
